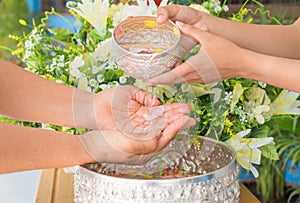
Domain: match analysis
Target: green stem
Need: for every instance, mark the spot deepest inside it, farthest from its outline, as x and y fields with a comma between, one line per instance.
x=6, y=48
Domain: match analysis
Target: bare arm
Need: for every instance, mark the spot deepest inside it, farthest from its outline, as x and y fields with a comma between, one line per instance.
x=29, y=97
x=234, y=62
x=23, y=148
x=276, y=40
x=277, y=71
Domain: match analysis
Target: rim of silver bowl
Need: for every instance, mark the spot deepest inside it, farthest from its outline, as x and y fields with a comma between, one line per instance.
x=132, y=18
x=198, y=178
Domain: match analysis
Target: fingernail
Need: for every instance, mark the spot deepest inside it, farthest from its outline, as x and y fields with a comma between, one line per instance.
x=159, y=18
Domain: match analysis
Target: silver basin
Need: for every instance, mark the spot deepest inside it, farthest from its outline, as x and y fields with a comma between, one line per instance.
x=214, y=161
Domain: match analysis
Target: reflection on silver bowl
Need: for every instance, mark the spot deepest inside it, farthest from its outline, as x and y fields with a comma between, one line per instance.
x=212, y=163
x=143, y=49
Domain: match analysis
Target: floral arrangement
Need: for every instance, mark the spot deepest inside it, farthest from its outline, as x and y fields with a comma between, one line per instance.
x=236, y=111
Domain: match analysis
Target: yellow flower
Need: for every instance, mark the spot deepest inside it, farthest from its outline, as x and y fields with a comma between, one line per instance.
x=22, y=22
x=247, y=151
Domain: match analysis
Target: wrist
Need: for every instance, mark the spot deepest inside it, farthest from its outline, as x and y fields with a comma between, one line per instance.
x=81, y=153
x=83, y=106
x=93, y=144
x=249, y=64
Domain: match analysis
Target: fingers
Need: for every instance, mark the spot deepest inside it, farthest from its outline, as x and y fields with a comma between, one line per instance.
x=201, y=36
x=186, y=44
x=165, y=12
x=150, y=122
x=177, y=75
x=141, y=97
x=173, y=129
x=177, y=13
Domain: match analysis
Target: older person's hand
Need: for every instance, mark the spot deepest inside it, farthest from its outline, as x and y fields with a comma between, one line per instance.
x=130, y=111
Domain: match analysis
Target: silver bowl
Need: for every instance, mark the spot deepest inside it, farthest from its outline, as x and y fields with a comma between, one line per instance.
x=143, y=49
x=216, y=182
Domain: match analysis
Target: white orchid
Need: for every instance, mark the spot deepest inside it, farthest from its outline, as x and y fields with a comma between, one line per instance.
x=93, y=11
x=199, y=89
x=286, y=103
x=236, y=94
x=247, y=151
x=258, y=105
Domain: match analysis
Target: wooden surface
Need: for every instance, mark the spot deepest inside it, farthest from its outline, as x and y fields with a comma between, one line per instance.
x=56, y=186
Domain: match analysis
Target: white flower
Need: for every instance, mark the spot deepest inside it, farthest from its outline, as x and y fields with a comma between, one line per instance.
x=200, y=89
x=217, y=9
x=225, y=8
x=262, y=84
x=258, y=113
x=100, y=78
x=104, y=86
x=75, y=65
x=47, y=126
x=83, y=84
x=104, y=50
x=93, y=82
x=29, y=45
x=123, y=79
x=95, y=69
x=247, y=151
x=94, y=11
x=286, y=103
x=228, y=97
x=258, y=104
x=236, y=94
x=113, y=9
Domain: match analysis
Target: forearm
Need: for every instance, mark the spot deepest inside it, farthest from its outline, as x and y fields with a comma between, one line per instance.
x=277, y=71
x=23, y=148
x=276, y=40
x=29, y=97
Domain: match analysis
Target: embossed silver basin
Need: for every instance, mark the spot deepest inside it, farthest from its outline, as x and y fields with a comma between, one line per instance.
x=143, y=49
x=215, y=179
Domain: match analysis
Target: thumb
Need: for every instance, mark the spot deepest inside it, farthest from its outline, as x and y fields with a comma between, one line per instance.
x=194, y=32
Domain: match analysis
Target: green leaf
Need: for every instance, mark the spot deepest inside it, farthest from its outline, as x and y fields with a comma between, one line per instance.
x=295, y=192
x=112, y=75
x=263, y=131
x=94, y=34
x=269, y=151
x=61, y=34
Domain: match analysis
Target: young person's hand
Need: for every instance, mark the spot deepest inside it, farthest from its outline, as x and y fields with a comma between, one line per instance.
x=217, y=60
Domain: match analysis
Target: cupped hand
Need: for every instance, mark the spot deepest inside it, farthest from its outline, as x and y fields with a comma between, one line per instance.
x=133, y=112
x=217, y=59
x=116, y=147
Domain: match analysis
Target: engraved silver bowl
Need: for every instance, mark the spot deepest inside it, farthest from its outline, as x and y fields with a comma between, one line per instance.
x=143, y=49
x=217, y=181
